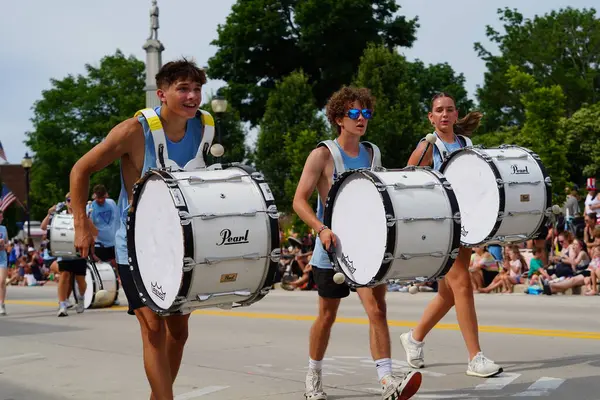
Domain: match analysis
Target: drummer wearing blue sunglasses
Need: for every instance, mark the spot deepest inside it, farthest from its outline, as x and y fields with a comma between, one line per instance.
x=349, y=111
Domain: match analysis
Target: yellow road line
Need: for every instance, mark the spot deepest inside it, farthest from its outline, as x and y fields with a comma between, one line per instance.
x=358, y=321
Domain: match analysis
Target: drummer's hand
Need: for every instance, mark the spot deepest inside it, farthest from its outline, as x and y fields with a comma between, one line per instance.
x=52, y=210
x=95, y=258
x=327, y=238
x=84, y=237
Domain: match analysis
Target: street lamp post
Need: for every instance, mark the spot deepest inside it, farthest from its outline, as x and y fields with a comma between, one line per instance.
x=26, y=163
x=219, y=107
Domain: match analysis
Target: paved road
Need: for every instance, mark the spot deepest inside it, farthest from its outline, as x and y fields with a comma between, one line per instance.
x=549, y=346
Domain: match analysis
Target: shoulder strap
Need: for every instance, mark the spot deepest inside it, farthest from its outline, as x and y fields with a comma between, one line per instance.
x=208, y=134
x=338, y=161
x=158, y=135
x=441, y=148
x=376, y=161
x=468, y=141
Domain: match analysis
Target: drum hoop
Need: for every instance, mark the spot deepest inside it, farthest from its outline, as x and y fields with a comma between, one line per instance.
x=500, y=188
x=455, y=208
x=188, y=245
x=273, y=230
x=390, y=246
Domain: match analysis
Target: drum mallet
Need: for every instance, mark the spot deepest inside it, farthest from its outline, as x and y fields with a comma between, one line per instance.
x=339, y=278
x=217, y=150
x=430, y=139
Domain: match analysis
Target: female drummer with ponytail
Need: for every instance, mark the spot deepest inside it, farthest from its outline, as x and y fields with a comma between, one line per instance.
x=455, y=289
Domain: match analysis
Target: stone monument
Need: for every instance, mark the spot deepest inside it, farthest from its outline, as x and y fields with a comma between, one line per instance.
x=154, y=49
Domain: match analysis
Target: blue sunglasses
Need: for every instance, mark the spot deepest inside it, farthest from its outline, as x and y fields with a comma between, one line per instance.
x=354, y=113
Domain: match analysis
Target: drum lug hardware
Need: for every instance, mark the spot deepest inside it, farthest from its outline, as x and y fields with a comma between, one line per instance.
x=380, y=186
x=216, y=260
x=188, y=264
x=457, y=217
x=185, y=217
x=391, y=221
x=265, y=291
x=427, y=185
x=179, y=300
x=193, y=180
x=257, y=176
x=454, y=254
x=447, y=185
x=548, y=181
x=272, y=211
x=500, y=182
x=500, y=216
x=503, y=157
x=387, y=257
x=275, y=255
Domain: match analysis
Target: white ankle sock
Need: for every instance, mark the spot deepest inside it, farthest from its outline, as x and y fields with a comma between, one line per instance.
x=384, y=367
x=315, y=365
x=412, y=339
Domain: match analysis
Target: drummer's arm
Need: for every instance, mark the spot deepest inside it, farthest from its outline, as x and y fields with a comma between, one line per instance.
x=416, y=154
x=312, y=172
x=116, y=144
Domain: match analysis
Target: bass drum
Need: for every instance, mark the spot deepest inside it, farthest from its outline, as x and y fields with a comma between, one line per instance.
x=202, y=238
x=504, y=193
x=395, y=224
x=101, y=281
x=61, y=236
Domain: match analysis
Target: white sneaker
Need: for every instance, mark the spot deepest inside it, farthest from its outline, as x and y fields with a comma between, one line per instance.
x=80, y=306
x=2, y=309
x=62, y=312
x=314, y=386
x=396, y=388
x=483, y=367
x=415, y=356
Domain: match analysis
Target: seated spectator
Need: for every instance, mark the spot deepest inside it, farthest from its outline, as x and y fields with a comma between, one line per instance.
x=594, y=268
x=483, y=268
x=536, y=268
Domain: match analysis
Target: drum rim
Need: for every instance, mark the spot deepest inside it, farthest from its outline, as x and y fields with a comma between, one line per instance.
x=500, y=188
x=456, y=225
x=188, y=245
x=390, y=246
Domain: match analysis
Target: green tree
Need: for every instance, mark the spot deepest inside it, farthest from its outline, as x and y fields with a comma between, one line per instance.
x=560, y=48
x=263, y=41
x=399, y=120
x=73, y=116
x=291, y=109
x=544, y=107
x=583, y=136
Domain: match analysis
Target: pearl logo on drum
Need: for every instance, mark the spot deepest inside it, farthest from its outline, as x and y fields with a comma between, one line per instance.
x=516, y=170
x=157, y=291
x=227, y=238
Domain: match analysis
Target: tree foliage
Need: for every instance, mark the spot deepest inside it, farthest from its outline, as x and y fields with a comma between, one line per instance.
x=264, y=41
x=583, y=137
x=559, y=48
x=291, y=110
x=73, y=116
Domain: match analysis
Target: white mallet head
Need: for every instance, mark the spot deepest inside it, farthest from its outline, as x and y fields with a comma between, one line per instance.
x=556, y=209
x=413, y=289
x=217, y=150
x=431, y=138
x=339, y=278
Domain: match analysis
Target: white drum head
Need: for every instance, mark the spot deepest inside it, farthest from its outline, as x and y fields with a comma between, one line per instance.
x=474, y=184
x=159, y=242
x=358, y=220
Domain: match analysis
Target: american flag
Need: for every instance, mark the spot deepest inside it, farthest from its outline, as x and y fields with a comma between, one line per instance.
x=2, y=154
x=7, y=198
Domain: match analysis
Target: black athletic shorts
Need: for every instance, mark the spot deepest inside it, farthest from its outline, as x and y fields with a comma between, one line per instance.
x=326, y=287
x=133, y=298
x=77, y=266
x=105, y=254
x=488, y=277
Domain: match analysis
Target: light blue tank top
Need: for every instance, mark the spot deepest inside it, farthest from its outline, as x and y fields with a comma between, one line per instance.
x=319, y=258
x=450, y=147
x=106, y=219
x=181, y=152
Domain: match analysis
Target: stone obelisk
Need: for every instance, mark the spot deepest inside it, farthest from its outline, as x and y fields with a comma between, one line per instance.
x=154, y=49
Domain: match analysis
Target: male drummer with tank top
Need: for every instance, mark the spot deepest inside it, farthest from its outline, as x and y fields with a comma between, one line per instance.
x=104, y=214
x=68, y=266
x=349, y=111
x=132, y=141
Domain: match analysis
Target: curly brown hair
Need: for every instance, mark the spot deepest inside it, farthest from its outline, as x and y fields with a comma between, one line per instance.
x=467, y=124
x=177, y=70
x=341, y=101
